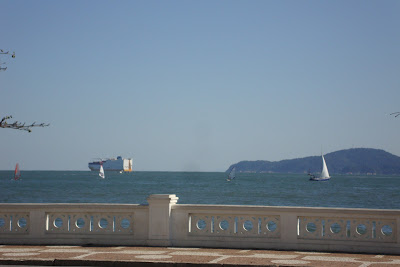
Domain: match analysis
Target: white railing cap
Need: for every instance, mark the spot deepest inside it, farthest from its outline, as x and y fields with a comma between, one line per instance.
x=163, y=197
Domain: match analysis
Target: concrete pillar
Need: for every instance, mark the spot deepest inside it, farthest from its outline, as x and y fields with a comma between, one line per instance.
x=289, y=230
x=37, y=226
x=160, y=218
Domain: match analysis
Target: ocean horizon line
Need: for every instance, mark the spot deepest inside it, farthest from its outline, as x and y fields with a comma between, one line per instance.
x=113, y=171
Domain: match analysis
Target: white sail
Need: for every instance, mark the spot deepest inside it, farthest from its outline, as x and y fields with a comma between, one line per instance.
x=101, y=173
x=232, y=174
x=324, y=173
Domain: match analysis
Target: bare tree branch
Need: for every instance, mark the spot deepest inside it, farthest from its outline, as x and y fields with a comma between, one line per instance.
x=395, y=114
x=2, y=52
x=18, y=125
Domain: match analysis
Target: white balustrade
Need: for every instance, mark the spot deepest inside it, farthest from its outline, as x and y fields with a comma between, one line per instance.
x=117, y=223
x=234, y=225
x=14, y=223
x=165, y=223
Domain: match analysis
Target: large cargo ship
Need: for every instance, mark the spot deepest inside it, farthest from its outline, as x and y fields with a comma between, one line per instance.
x=114, y=164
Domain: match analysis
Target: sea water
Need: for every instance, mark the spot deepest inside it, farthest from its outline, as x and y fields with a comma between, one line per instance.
x=346, y=191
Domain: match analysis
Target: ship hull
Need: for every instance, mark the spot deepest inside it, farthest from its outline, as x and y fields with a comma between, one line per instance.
x=119, y=164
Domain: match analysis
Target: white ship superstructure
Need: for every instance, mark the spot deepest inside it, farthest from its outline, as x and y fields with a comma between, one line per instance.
x=112, y=164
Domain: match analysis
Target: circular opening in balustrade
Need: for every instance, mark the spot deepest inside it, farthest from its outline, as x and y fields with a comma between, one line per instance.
x=201, y=224
x=125, y=223
x=386, y=230
x=271, y=226
x=2, y=222
x=80, y=223
x=58, y=222
x=21, y=223
x=224, y=225
x=248, y=225
x=335, y=228
x=103, y=223
x=311, y=227
x=361, y=229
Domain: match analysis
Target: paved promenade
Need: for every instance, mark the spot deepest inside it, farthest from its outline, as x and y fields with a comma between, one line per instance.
x=171, y=256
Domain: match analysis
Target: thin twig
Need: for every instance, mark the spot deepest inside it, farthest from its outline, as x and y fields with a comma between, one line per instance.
x=19, y=125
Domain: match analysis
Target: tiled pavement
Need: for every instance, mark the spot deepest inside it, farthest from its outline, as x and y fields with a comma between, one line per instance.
x=172, y=256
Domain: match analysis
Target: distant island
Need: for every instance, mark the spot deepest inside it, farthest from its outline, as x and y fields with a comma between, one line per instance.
x=348, y=161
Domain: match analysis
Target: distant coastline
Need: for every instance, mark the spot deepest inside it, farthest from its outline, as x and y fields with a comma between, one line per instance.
x=366, y=161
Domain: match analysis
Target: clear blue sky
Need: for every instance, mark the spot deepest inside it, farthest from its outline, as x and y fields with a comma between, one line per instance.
x=197, y=85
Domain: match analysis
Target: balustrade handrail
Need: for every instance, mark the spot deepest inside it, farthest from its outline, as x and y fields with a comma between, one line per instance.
x=163, y=222
x=251, y=208
x=74, y=205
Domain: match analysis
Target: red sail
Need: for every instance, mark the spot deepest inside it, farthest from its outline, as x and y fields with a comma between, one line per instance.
x=17, y=173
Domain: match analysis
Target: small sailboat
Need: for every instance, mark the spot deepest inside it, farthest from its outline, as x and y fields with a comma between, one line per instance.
x=17, y=173
x=232, y=174
x=101, y=173
x=324, y=174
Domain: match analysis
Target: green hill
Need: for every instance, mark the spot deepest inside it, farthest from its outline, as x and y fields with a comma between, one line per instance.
x=355, y=161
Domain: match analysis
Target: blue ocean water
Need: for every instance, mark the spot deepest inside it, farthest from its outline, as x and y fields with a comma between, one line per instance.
x=375, y=192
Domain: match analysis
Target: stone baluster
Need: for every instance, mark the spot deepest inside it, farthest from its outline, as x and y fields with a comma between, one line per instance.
x=160, y=218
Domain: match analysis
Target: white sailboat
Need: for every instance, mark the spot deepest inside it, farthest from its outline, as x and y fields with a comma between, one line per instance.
x=324, y=174
x=101, y=173
x=232, y=174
